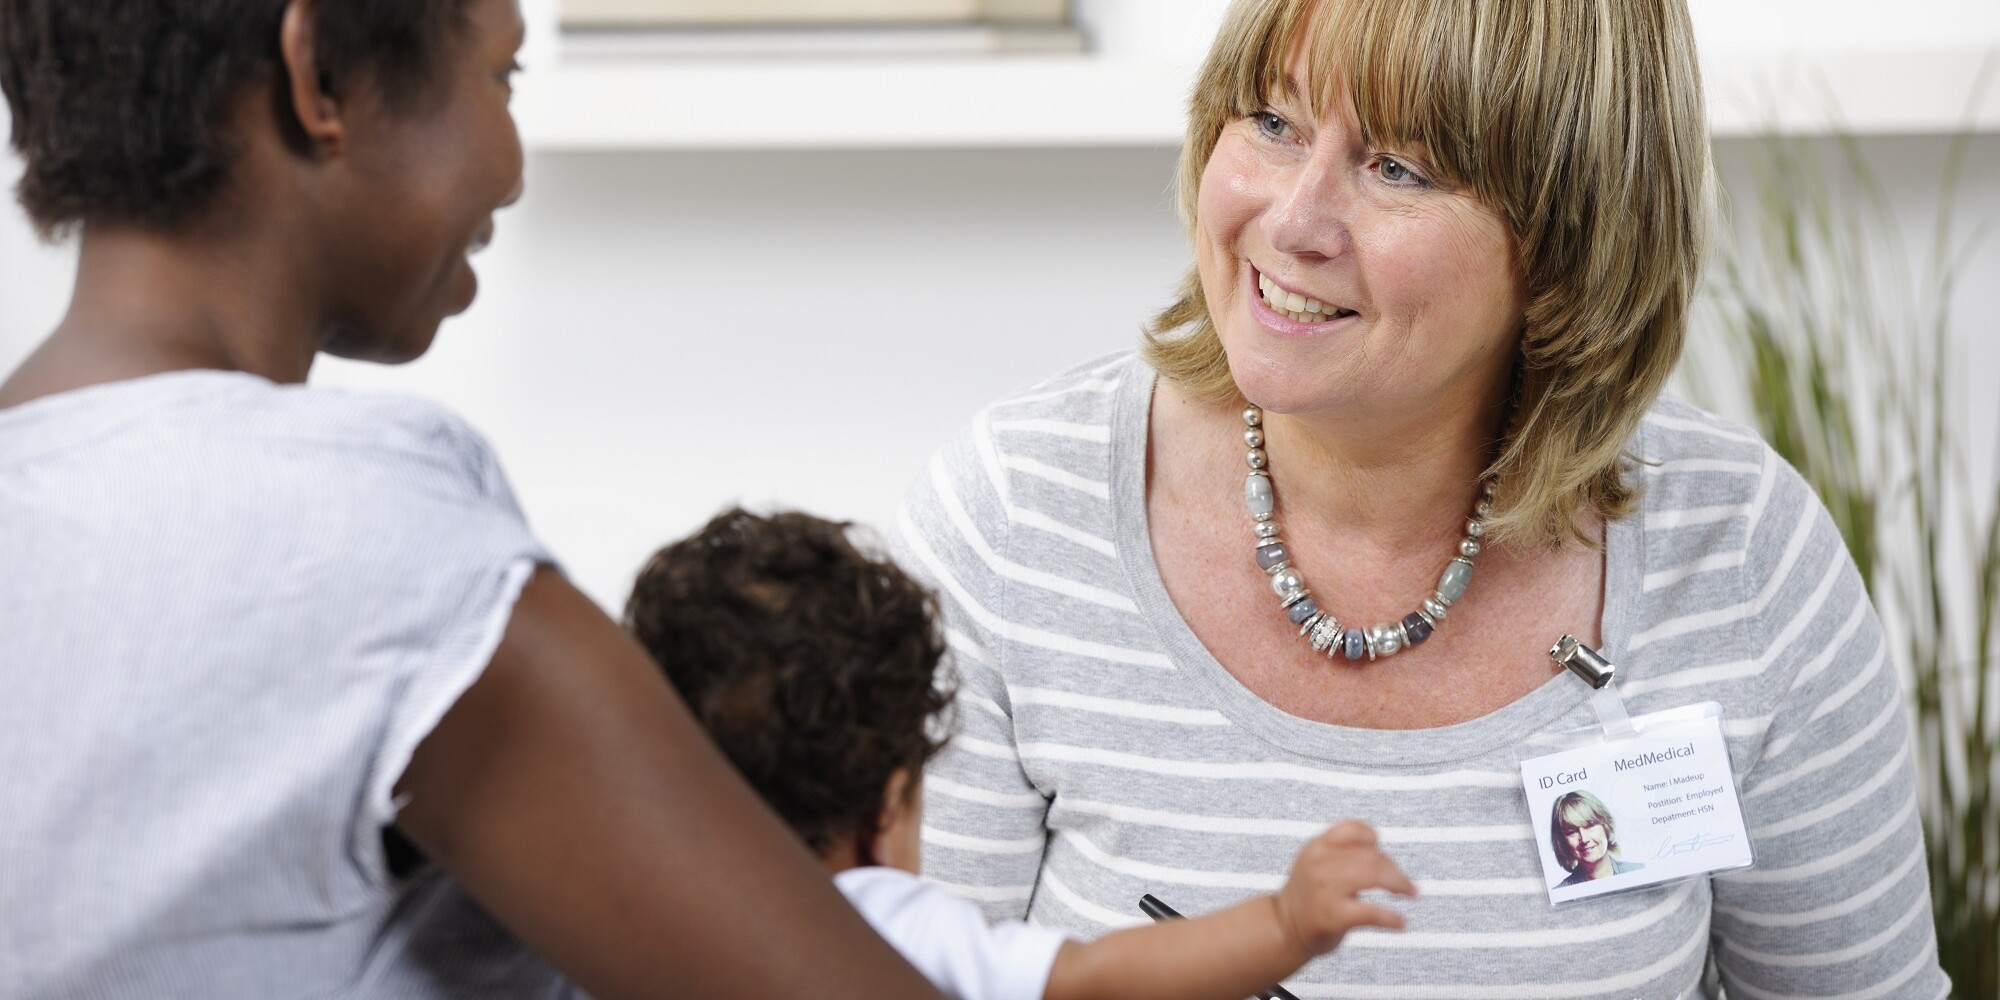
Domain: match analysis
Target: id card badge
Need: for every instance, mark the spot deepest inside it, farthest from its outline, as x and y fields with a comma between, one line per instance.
x=1636, y=801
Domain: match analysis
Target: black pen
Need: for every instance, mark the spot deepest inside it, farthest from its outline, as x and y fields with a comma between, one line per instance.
x=1151, y=906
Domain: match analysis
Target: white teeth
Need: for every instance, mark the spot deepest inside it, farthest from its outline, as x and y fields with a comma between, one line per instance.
x=1295, y=306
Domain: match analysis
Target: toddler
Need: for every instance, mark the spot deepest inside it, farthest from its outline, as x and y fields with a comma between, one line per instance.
x=814, y=665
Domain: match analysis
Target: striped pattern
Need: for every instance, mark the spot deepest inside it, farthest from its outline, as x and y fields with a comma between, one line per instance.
x=230, y=612
x=1101, y=753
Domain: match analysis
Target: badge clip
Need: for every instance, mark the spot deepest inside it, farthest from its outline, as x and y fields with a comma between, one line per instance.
x=1583, y=661
x=1593, y=669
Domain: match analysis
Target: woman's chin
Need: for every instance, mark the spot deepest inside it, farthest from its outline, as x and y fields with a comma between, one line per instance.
x=1280, y=386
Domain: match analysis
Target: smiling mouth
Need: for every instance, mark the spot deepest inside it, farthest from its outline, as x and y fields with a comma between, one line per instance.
x=1296, y=307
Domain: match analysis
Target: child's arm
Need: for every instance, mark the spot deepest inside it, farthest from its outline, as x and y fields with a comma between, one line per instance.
x=1248, y=947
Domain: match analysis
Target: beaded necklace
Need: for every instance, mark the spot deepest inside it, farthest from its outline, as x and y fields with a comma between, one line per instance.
x=1318, y=626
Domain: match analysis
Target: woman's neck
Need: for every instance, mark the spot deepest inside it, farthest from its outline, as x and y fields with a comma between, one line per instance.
x=1397, y=483
x=147, y=302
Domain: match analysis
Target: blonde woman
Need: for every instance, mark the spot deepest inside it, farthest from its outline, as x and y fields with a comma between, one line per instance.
x=1585, y=839
x=1301, y=557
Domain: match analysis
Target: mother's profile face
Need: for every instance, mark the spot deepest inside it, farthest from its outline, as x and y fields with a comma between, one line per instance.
x=425, y=184
x=1348, y=275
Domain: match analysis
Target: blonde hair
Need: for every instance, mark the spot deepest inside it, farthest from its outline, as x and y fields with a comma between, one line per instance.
x=1581, y=123
x=1579, y=809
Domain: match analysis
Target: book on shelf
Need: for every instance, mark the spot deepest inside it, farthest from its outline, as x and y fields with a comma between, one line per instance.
x=799, y=13
x=642, y=45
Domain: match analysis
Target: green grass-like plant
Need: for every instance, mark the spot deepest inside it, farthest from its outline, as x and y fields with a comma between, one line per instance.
x=1842, y=349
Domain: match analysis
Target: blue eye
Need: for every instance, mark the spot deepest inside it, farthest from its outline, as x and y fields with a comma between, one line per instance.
x=1269, y=123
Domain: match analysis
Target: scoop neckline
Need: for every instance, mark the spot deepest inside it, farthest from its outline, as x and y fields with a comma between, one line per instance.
x=1505, y=726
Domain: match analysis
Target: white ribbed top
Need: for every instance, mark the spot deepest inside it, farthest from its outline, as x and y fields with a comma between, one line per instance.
x=229, y=612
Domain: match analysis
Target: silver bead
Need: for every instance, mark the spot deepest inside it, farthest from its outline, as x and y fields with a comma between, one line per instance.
x=1484, y=508
x=1434, y=609
x=1256, y=458
x=1486, y=488
x=1266, y=529
x=1385, y=640
x=1468, y=547
x=1253, y=416
x=1294, y=598
x=1286, y=581
x=1253, y=438
x=1425, y=614
x=1311, y=620
x=1325, y=633
x=1475, y=527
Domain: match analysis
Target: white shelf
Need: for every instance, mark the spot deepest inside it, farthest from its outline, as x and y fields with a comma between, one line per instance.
x=1129, y=95
x=1086, y=101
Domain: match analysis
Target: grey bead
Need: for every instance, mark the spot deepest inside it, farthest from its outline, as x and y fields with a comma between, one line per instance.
x=1302, y=609
x=1457, y=576
x=1257, y=494
x=1475, y=527
x=1256, y=458
x=1253, y=416
x=1434, y=608
x=1468, y=547
x=1355, y=643
x=1266, y=529
x=1284, y=582
x=1253, y=438
x=1385, y=640
x=1272, y=555
x=1416, y=628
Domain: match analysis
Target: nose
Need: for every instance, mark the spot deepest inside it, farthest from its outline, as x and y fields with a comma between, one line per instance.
x=520, y=188
x=1308, y=209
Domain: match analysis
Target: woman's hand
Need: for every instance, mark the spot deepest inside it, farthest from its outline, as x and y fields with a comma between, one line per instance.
x=1321, y=901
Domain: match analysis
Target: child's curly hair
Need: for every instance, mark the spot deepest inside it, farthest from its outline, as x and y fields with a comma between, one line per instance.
x=812, y=663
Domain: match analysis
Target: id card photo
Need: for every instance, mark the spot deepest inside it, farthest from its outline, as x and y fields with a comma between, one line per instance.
x=1659, y=806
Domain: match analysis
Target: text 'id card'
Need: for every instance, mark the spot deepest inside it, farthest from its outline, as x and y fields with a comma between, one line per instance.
x=1657, y=806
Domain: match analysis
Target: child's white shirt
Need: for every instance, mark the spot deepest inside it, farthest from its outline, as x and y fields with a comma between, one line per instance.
x=948, y=939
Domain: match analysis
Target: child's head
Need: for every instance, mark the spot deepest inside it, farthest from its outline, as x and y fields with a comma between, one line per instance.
x=812, y=664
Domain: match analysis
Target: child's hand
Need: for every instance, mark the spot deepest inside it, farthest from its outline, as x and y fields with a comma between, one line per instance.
x=1321, y=901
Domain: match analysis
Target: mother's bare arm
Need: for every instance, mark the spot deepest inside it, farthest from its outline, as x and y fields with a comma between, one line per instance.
x=573, y=795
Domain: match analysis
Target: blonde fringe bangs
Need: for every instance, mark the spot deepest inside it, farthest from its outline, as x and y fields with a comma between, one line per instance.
x=1581, y=122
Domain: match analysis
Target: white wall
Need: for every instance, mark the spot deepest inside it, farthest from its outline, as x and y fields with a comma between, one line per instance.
x=663, y=333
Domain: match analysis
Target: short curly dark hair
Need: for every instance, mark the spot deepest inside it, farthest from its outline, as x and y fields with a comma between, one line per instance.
x=118, y=105
x=814, y=665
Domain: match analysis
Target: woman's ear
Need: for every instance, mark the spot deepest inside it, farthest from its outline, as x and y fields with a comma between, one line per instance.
x=313, y=106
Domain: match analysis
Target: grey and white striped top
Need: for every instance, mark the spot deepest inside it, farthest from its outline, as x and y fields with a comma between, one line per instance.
x=229, y=612
x=1100, y=752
